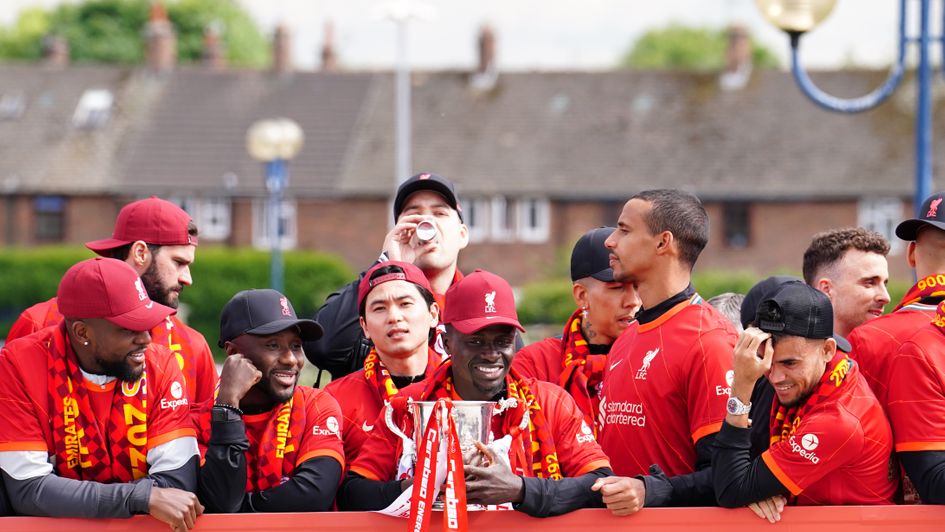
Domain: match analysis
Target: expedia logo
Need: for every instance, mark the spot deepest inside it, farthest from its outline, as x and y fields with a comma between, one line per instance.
x=331, y=428
x=177, y=390
x=586, y=435
x=726, y=390
x=172, y=404
x=805, y=449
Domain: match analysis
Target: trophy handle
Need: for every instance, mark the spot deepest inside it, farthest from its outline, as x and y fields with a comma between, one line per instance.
x=389, y=420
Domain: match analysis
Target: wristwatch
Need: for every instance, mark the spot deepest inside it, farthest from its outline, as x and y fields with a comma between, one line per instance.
x=735, y=407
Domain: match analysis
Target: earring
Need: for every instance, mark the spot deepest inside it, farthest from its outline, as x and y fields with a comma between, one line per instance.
x=85, y=342
x=584, y=313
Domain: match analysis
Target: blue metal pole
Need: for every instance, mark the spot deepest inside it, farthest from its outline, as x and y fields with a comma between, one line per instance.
x=923, y=119
x=275, y=183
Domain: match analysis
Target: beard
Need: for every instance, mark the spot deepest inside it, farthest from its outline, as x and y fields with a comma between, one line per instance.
x=163, y=295
x=121, y=370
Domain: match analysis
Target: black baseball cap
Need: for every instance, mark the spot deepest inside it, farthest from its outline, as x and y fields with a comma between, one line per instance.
x=759, y=293
x=426, y=181
x=798, y=309
x=932, y=213
x=590, y=258
x=262, y=312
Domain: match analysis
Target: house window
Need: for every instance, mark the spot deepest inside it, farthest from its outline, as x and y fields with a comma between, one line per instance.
x=882, y=215
x=503, y=219
x=211, y=215
x=533, y=220
x=12, y=106
x=94, y=109
x=476, y=218
x=288, y=230
x=48, y=213
x=736, y=222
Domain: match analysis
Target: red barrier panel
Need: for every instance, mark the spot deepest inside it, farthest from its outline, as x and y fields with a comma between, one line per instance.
x=804, y=519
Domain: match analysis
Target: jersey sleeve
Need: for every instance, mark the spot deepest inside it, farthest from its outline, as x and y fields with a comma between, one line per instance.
x=821, y=444
x=578, y=450
x=708, y=382
x=23, y=326
x=20, y=425
x=323, y=428
x=916, y=405
x=378, y=457
x=529, y=362
x=169, y=414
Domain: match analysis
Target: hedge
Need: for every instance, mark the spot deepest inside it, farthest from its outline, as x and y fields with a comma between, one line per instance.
x=550, y=301
x=218, y=274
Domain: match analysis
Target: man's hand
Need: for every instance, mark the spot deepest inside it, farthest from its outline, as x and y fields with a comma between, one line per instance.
x=400, y=244
x=753, y=354
x=489, y=481
x=236, y=378
x=622, y=495
x=769, y=509
x=177, y=508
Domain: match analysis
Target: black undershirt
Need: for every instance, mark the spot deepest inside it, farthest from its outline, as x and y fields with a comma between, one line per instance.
x=402, y=382
x=646, y=315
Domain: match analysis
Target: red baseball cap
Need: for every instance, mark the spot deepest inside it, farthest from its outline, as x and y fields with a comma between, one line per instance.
x=109, y=289
x=153, y=220
x=411, y=274
x=479, y=300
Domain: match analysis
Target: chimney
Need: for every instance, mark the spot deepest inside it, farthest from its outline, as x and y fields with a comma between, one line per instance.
x=737, y=59
x=486, y=75
x=55, y=51
x=161, y=40
x=329, y=60
x=282, y=50
x=214, y=53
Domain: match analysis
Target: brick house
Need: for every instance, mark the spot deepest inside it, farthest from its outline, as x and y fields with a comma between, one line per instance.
x=538, y=157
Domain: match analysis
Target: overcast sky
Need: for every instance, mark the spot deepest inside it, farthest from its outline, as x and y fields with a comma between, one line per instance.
x=552, y=34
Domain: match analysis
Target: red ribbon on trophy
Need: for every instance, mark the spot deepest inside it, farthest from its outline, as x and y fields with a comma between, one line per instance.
x=440, y=427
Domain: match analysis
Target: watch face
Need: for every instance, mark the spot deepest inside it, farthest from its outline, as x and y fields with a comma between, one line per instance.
x=736, y=407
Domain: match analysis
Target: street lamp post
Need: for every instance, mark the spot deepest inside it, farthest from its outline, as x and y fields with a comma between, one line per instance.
x=796, y=17
x=275, y=143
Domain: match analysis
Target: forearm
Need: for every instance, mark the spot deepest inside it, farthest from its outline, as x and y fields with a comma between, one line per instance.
x=739, y=480
x=545, y=497
x=926, y=469
x=363, y=494
x=54, y=496
x=223, y=473
x=311, y=489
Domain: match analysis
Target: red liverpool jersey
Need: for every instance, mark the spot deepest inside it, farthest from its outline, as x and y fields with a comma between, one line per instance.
x=26, y=422
x=916, y=401
x=360, y=404
x=876, y=341
x=666, y=386
x=840, y=451
x=540, y=360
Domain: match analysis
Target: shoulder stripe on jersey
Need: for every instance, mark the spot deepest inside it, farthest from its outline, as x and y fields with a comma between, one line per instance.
x=780, y=474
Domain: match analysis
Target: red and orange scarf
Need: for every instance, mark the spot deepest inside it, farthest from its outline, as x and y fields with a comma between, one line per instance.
x=272, y=459
x=784, y=420
x=380, y=379
x=929, y=288
x=82, y=452
x=173, y=335
x=533, y=450
x=583, y=372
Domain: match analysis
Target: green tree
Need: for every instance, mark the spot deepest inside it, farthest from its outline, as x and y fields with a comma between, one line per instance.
x=112, y=31
x=686, y=48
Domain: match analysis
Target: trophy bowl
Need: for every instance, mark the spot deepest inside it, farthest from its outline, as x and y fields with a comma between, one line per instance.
x=473, y=420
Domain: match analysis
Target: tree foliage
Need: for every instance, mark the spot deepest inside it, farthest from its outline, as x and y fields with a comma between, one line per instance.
x=687, y=48
x=112, y=31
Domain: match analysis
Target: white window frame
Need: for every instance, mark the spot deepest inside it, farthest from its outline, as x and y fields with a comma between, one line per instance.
x=476, y=216
x=501, y=228
x=289, y=239
x=94, y=109
x=882, y=214
x=540, y=231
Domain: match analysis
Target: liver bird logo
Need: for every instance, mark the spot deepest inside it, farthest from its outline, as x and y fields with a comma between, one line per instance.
x=933, y=208
x=490, y=302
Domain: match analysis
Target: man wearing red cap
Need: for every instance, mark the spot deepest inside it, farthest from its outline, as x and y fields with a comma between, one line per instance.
x=398, y=314
x=95, y=419
x=577, y=359
x=272, y=446
x=159, y=240
x=426, y=202
x=551, y=459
